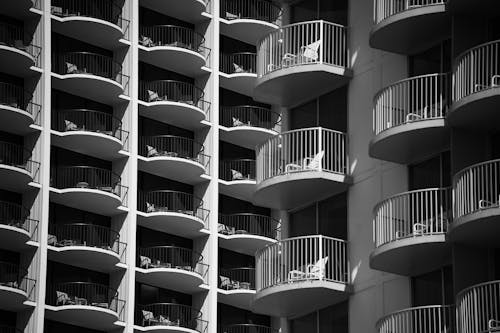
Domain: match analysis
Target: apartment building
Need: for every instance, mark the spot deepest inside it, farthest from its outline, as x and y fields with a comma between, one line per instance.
x=249, y=166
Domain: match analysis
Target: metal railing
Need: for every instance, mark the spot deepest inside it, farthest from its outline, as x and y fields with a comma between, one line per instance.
x=237, y=63
x=248, y=115
x=17, y=156
x=9, y=329
x=422, y=319
x=247, y=328
x=412, y=214
x=88, y=177
x=306, y=258
x=477, y=306
x=308, y=149
x=261, y=10
x=237, y=278
x=15, y=215
x=170, y=314
x=314, y=42
x=383, y=9
x=476, y=69
x=476, y=187
x=239, y=169
x=417, y=98
x=16, y=97
x=12, y=276
x=14, y=36
x=172, y=201
x=249, y=223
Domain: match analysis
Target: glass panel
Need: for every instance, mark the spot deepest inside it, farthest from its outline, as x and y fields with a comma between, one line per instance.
x=333, y=216
x=427, y=289
x=303, y=222
x=304, y=116
x=334, y=318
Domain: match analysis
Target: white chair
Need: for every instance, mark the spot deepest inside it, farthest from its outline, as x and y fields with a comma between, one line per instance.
x=63, y=299
x=71, y=68
x=493, y=325
x=309, y=53
x=152, y=151
x=484, y=204
x=153, y=96
x=145, y=262
x=237, y=122
x=236, y=175
x=419, y=229
x=309, y=163
x=238, y=69
x=312, y=272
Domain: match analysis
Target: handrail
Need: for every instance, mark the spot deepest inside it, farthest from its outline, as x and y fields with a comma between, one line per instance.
x=248, y=328
x=170, y=314
x=237, y=278
x=305, y=43
x=262, y=10
x=237, y=169
x=15, y=96
x=422, y=319
x=305, y=258
x=253, y=224
x=108, y=10
x=417, y=98
x=12, y=276
x=238, y=63
x=412, y=214
x=309, y=149
x=248, y=115
x=14, y=155
x=383, y=9
x=15, y=215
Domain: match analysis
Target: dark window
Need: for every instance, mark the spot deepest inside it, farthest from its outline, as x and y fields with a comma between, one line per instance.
x=434, y=288
x=434, y=60
x=433, y=172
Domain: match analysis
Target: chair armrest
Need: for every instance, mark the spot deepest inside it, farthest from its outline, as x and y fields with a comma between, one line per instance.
x=412, y=116
x=292, y=166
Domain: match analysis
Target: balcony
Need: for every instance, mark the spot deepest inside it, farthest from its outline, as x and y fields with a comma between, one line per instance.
x=247, y=125
x=177, y=103
x=88, y=188
x=17, y=170
x=301, y=61
x=409, y=232
x=15, y=287
x=85, y=304
x=89, y=132
x=476, y=204
x=238, y=72
x=90, y=75
x=174, y=157
x=171, y=267
x=248, y=328
x=249, y=20
x=17, y=54
x=408, y=119
x=423, y=319
x=300, y=167
x=9, y=329
x=179, y=49
x=93, y=21
x=89, y=246
x=16, y=227
x=299, y=275
x=476, y=90
x=169, y=317
x=190, y=11
x=237, y=178
x=409, y=26
x=477, y=308
x=17, y=109
x=246, y=232
x=237, y=287
x=172, y=212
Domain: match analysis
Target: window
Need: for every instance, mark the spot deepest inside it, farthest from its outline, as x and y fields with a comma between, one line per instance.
x=433, y=172
x=431, y=61
x=334, y=11
x=434, y=288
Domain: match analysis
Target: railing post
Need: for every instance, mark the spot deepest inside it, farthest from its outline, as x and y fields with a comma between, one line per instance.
x=322, y=39
x=320, y=240
x=320, y=149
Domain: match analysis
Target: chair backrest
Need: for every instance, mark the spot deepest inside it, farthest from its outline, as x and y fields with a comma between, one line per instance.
x=316, y=161
x=145, y=260
x=311, y=50
x=61, y=296
x=319, y=267
x=147, y=315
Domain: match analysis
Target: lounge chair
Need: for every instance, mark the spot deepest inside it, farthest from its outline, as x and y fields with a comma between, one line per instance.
x=237, y=122
x=231, y=16
x=308, y=163
x=64, y=299
x=494, y=82
x=145, y=262
x=238, y=69
x=148, y=318
x=493, y=325
x=236, y=175
x=312, y=272
x=484, y=204
x=153, y=96
x=308, y=54
x=225, y=230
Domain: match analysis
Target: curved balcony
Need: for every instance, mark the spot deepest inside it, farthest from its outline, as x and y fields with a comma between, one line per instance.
x=15, y=287
x=88, y=188
x=423, y=319
x=96, y=22
x=476, y=204
x=89, y=132
x=248, y=328
x=249, y=20
x=17, y=170
x=247, y=232
x=174, y=102
x=89, y=246
x=174, y=48
x=169, y=317
x=477, y=308
x=90, y=75
x=247, y=125
x=301, y=61
x=301, y=166
x=17, y=53
x=171, y=267
x=409, y=232
x=17, y=109
x=409, y=26
x=299, y=275
x=91, y=305
x=189, y=11
x=237, y=178
x=476, y=89
x=408, y=119
x=16, y=227
x=172, y=212
x=174, y=157
x=237, y=286
x=238, y=72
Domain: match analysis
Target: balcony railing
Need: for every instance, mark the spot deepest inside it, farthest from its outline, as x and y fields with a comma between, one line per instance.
x=238, y=63
x=17, y=156
x=248, y=223
x=15, y=215
x=11, y=275
x=240, y=169
x=9, y=329
x=14, y=36
x=306, y=258
x=247, y=328
x=88, y=177
x=423, y=319
x=172, y=201
x=261, y=10
x=170, y=314
x=16, y=97
x=309, y=149
x=248, y=115
x=476, y=69
x=242, y=278
x=418, y=98
x=412, y=214
x=383, y=9
x=477, y=308
x=476, y=188
x=315, y=42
